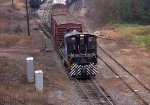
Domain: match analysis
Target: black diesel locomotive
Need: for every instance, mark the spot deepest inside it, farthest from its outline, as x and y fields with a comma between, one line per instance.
x=79, y=53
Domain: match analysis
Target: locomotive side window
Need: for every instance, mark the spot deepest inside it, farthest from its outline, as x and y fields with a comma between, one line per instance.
x=92, y=44
x=71, y=44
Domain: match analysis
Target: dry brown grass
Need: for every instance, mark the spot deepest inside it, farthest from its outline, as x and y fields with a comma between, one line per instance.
x=8, y=40
x=7, y=13
x=14, y=40
x=18, y=4
x=6, y=18
x=14, y=96
x=4, y=26
x=14, y=89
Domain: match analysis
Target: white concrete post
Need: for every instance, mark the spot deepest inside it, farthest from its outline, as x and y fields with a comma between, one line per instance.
x=30, y=69
x=39, y=80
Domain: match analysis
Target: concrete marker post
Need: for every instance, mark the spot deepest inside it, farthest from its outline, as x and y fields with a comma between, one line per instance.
x=30, y=69
x=39, y=80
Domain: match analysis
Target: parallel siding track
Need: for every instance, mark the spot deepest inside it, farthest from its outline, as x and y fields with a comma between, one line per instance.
x=42, y=25
x=134, y=84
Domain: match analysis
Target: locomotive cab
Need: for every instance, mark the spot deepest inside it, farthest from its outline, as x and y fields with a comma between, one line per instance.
x=81, y=53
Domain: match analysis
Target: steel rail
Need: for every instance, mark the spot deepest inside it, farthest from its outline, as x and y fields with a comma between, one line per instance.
x=100, y=91
x=84, y=92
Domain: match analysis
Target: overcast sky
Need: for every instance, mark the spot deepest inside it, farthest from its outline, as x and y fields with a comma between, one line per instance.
x=59, y=1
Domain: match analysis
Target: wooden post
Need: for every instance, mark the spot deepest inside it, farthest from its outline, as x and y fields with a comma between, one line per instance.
x=13, y=4
x=28, y=25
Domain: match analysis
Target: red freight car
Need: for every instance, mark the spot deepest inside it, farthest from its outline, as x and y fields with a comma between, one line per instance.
x=61, y=21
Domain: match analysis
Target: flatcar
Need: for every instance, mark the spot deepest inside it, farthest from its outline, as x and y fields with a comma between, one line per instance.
x=36, y=3
x=69, y=2
x=76, y=47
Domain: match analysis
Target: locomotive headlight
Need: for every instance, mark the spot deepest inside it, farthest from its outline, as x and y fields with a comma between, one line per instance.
x=81, y=36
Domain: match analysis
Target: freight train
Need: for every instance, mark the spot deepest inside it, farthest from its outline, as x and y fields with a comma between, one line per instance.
x=77, y=47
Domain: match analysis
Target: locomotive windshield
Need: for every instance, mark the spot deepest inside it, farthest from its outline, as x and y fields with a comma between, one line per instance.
x=91, y=44
x=81, y=44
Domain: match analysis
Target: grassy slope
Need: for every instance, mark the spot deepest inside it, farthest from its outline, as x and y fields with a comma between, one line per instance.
x=136, y=34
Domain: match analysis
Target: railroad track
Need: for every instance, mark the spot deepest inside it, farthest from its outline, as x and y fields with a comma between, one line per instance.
x=94, y=93
x=46, y=12
x=134, y=84
x=43, y=26
x=41, y=20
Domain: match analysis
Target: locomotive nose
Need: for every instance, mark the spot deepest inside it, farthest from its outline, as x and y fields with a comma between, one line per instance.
x=83, y=70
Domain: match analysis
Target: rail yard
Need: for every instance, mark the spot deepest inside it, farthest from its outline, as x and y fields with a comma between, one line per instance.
x=114, y=82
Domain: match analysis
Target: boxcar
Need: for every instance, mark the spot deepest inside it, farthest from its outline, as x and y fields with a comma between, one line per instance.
x=61, y=22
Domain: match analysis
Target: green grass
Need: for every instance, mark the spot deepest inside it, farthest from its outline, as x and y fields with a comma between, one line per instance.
x=136, y=34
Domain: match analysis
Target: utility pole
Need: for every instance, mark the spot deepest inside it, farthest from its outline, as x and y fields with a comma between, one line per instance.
x=13, y=4
x=28, y=25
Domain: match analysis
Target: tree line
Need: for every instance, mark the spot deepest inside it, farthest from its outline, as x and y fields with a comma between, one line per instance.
x=130, y=11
